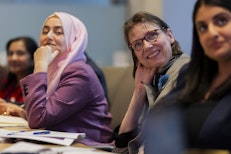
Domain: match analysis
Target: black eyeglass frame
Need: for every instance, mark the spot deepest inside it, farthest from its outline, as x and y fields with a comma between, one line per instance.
x=131, y=45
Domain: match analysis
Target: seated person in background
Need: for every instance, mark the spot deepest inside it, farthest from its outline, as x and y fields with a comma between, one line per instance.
x=157, y=58
x=20, y=61
x=64, y=93
x=98, y=72
x=3, y=73
x=205, y=99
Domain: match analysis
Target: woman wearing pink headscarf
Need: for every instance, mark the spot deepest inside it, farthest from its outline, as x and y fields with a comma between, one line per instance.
x=64, y=93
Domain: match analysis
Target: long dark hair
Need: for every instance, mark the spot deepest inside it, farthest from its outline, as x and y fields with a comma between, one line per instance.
x=30, y=46
x=202, y=68
x=141, y=17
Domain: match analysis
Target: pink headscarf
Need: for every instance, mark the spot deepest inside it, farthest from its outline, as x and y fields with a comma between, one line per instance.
x=76, y=37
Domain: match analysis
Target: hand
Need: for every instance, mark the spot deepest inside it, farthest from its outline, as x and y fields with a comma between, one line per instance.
x=144, y=74
x=43, y=56
x=3, y=105
x=2, y=100
x=15, y=110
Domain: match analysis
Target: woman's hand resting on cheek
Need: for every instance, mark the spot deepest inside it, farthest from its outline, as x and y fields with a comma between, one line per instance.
x=43, y=56
x=144, y=74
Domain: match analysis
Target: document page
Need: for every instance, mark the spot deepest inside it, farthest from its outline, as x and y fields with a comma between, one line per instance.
x=6, y=121
x=32, y=148
x=55, y=137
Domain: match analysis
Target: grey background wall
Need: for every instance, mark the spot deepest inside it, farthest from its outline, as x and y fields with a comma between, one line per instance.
x=104, y=24
x=178, y=14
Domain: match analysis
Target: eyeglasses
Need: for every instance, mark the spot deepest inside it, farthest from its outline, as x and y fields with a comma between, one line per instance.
x=149, y=36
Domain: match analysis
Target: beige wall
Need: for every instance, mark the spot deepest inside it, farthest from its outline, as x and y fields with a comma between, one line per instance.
x=153, y=6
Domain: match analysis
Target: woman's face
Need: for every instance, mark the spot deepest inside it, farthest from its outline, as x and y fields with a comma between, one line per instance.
x=53, y=35
x=19, y=59
x=213, y=26
x=154, y=53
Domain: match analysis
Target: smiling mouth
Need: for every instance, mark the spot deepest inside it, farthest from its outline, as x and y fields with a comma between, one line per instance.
x=216, y=45
x=49, y=44
x=153, y=55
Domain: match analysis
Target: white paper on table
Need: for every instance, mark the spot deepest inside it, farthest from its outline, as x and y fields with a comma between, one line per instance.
x=79, y=150
x=54, y=137
x=26, y=147
x=52, y=134
x=6, y=121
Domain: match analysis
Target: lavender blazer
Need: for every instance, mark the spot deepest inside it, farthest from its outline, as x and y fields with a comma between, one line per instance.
x=78, y=105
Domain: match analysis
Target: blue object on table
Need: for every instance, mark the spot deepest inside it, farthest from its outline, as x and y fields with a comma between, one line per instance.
x=41, y=132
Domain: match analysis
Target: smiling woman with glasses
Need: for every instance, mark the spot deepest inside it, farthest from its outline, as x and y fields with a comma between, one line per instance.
x=157, y=58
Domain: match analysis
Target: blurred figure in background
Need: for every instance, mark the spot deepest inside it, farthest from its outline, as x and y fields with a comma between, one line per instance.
x=3, y=73
x=20, y=51
x=98, y=72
